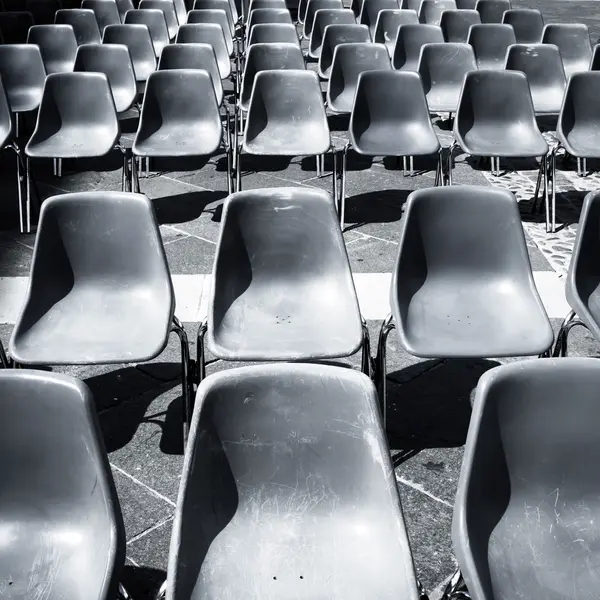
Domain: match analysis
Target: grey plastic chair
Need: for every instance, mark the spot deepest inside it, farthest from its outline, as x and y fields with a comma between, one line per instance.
x=412, y=5
x=273, y=33
x=312, y=7
x=443, y=68
x=544, y=69
x=370, y=12
x=527, y=23
x=213, y=15
x=323, y=18
x=492, y=11
x=455, y=24
x=463, y=287
x=388, y=23
x=573, y=41
x=266, y=270
x=193, y=56
x=83, y=21
x=14, y=26
x=490, y=43
x=268, y=15
x=390, y=118
x=286, y=117
x=141, y=49
x=431, y=10
x=410, y=40
x=168, y=9
x=335, y=35
x=267, y=57
x=276, y=403
x=100, y=292
x=106, y=12
x=123, y=6
x=59, y=481
x=208, y=33
x=154, y=20
x=349, y=61
x=57, y=45
x=218, y=5
x=115, y=62
x=527, y=482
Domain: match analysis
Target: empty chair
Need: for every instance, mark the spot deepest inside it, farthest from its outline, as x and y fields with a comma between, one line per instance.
x=412, y=5
x=267, y=57
x=443, y=68
x=490, y=43
x=492, y=11
x=154, y=20
x=349, y=61
x=531, y=446
x=312, y=7
x=83, y=21
x=323, y=18
x=57, y=44
x=225, y=5
x=213, y=15
x=462, y=286
x=168, y=9
x=390, y=118
x=115, y=62
x=106, y=12
x=266, y=4
x=334, y=36
x=573, y=41
x=14, y=26
x=370, y=12
x=273, y=33
x=60, y=483
x=313, y=406
x=193, y=56
x=180, y=117
x=99, y=292
x=544, y=69
x=268, y=15
x=286, y=117
x=141, y=49
x=208, y=33
x=388, y=23
x=410, y=40
x=431, y=10
x=455, y=24
x=43, y=11
x=527, y=23
x=123, y=6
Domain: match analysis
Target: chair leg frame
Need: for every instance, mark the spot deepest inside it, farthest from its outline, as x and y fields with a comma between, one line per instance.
x=449, y=157
x=4, y=359
x=186, y=380
x=123, y=594
x=570, y=321
x=162, y=592
x=380, y=373
x=367, y=365
x=456, y=588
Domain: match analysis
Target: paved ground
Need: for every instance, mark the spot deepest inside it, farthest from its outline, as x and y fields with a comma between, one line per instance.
x=140, y=405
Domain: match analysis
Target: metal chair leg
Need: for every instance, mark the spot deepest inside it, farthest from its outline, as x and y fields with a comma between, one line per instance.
x=186, y=383
x=560, y=346
x=334, y=177
x=449, y=162
x=380, y=366
x=28, y=199
x=162, y=592
x=123, y=593
x=456, y=588
x=366, y=361
x=4, y=360
x=200, y=357
x=342, y=213
x=537, y=186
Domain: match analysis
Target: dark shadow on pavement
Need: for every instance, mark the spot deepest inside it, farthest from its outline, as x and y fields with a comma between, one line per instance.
x=183, y=208
x=142, y=583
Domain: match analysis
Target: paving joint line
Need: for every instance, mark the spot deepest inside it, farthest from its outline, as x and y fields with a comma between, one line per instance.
x=419, y=488
x=199, y=237
x=142, y=484
x=150, y=529
x=177, y=239
x=194, y=185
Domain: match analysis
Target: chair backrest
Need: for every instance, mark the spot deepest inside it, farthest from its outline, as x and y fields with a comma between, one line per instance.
x=207, y=33
x=115, y=62
x=490, y=43
x=545, y=73
x=218, y=5
x=410, y=40
x=335, y=35
x=267, y=57
x=492, y=11
x=57, y=44
x=14, y=26
x=323, y=18
x=349, y=61
x=213, y=15
x=431, y=10
x=193, y=56
x=273, y=33
x=106, y=12
x=528, y=486
x=83, y=21
x=138, y=41
x=5, y=118
x=466, y=4
x=23, y=75
x=412, y=5
x=573, y=41
x=168, y=9
x=154, y=20
x=123, y=6
x=388, y=23
x=527, y=23
x=60, y=481
x=286, y=115
x=371, y=10
x=312, y=7
x=455, y=24
x=443, y=68
x=268, y=15
x=266, y=4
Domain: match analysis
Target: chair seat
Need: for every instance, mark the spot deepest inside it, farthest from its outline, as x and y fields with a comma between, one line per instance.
x=96, y=325
x=24, y=100
x=443, y=98
x=505, y=318
x=84, y=141
x=511, y=142
x=180, y=140
x=289, y=139
x=547, y=101
x=582, y=141
x=391, y=139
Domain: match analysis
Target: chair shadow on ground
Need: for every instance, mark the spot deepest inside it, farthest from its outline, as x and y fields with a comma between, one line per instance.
x=183, y=208
x=142, y=583
x=385, y=206
x=429, y=403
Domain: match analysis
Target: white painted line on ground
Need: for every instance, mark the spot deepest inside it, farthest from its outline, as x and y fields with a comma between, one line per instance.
x=192, y=294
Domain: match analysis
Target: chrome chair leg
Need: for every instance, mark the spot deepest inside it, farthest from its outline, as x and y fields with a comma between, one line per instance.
x=560, y=346
x=342, y=214
x=162, y=592
x=200, y=355
x=123, y=593
x=28, y=198
x=4, y=361
x=456, y=588
x=449, y=162
x=380, y=366
x=186, y=383
x=366, y=360
x=538, y=185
